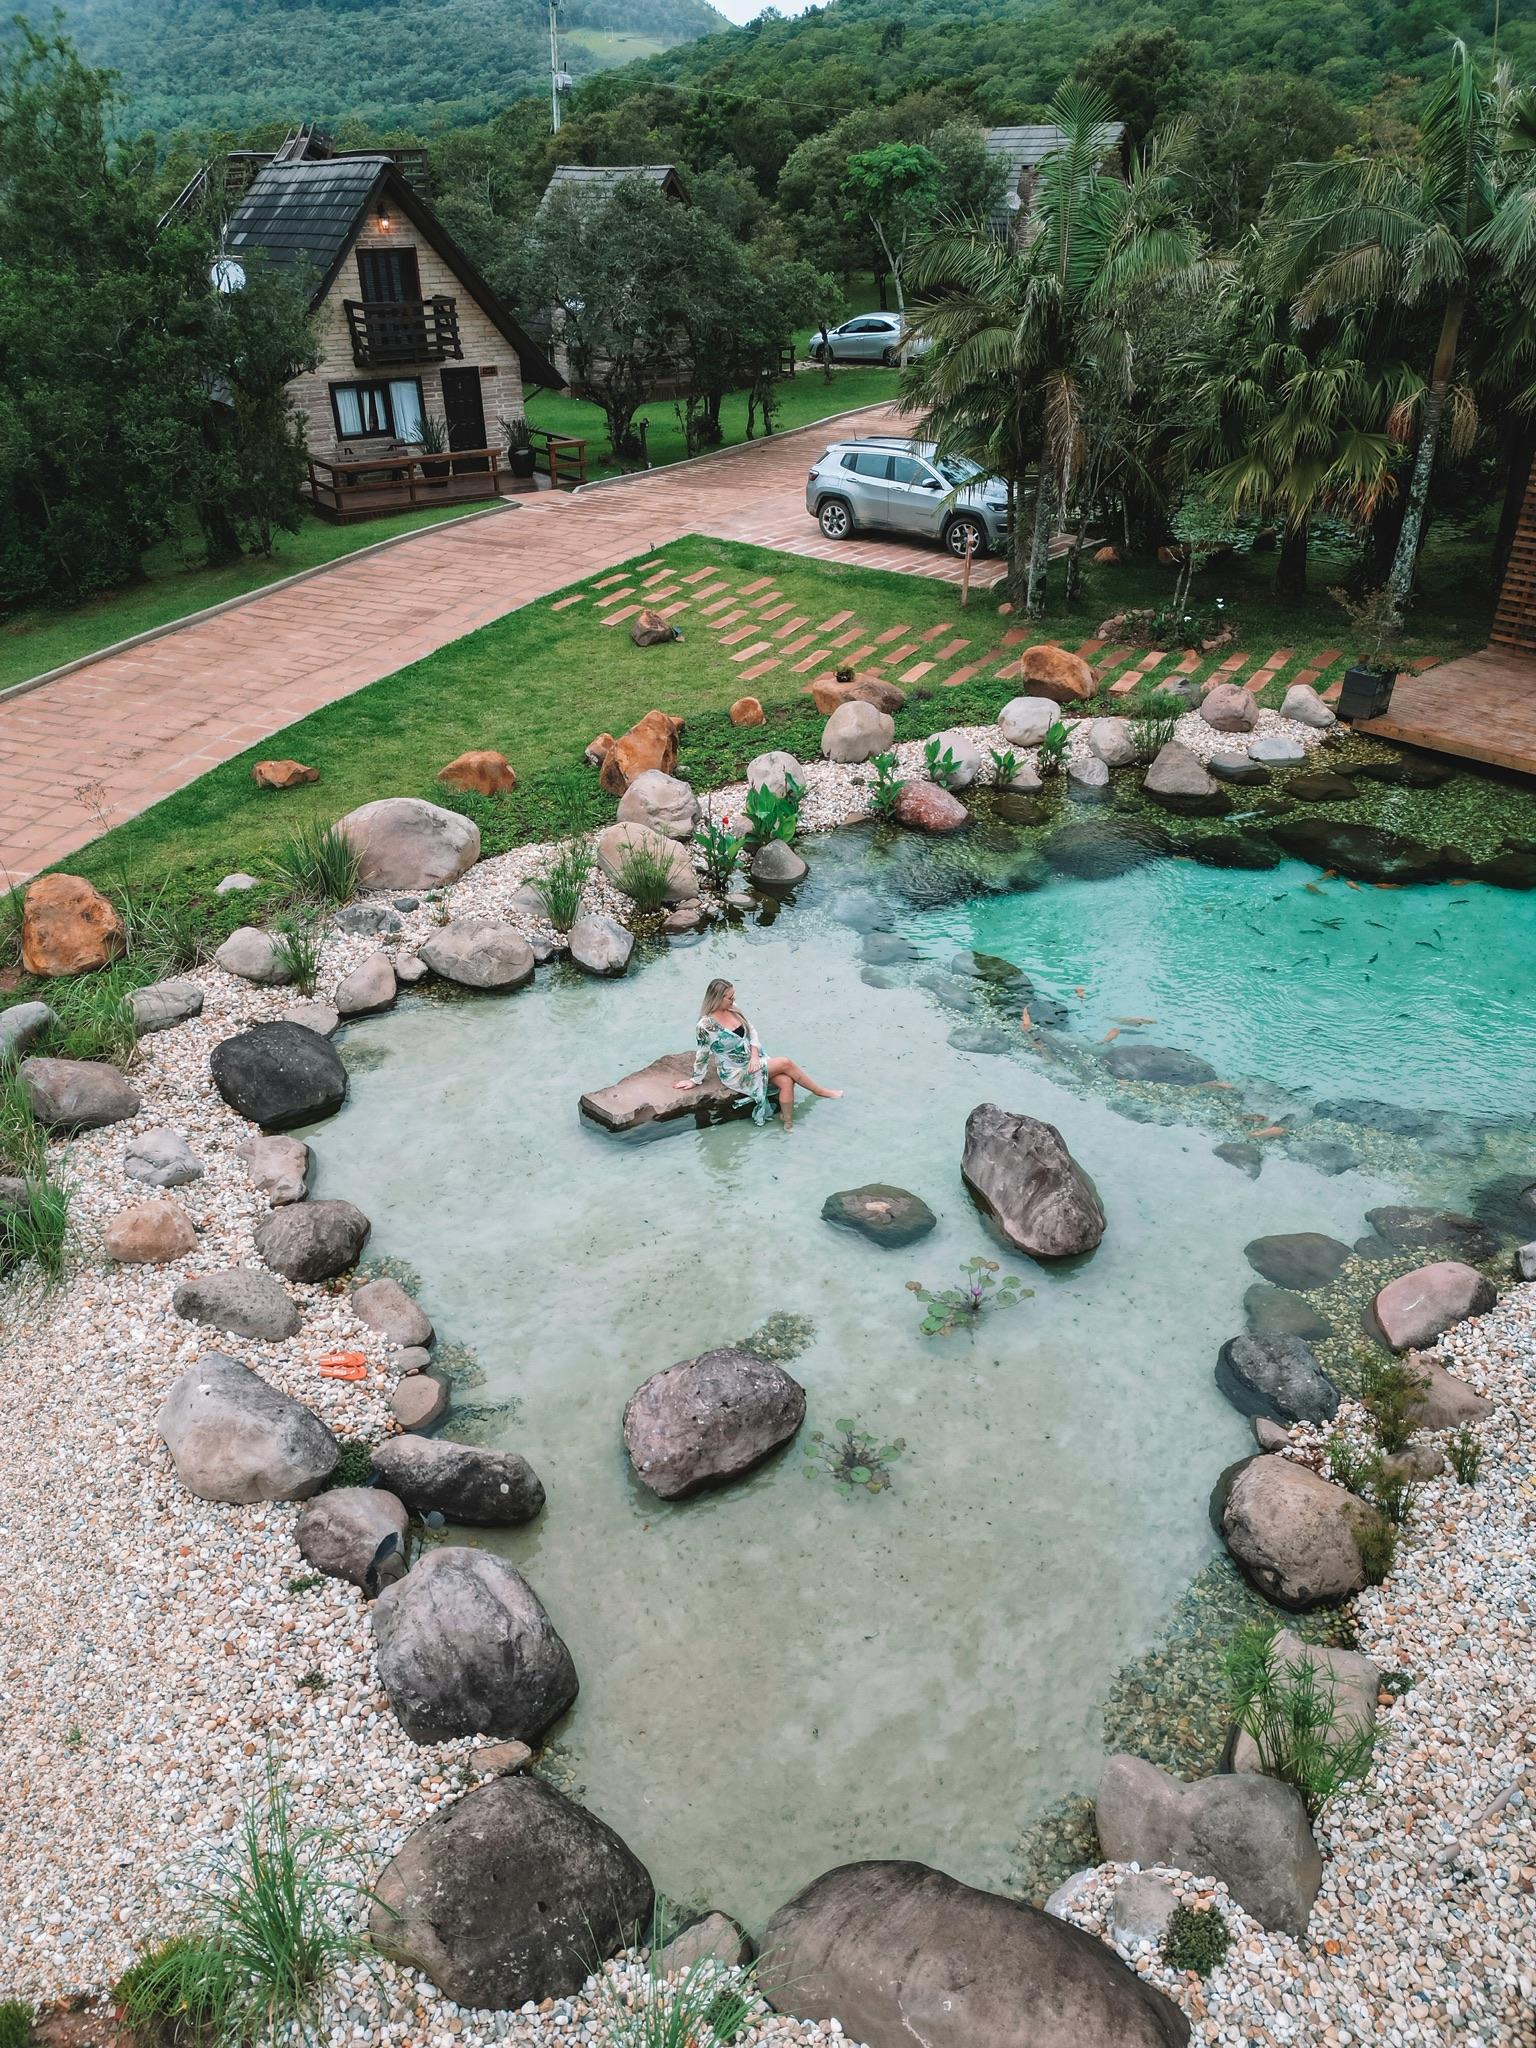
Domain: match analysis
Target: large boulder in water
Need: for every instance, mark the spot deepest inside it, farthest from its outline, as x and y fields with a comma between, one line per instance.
x=512, y=1893
x=1364, y=852
x=464, y=1482
x=279, y=1075
x=1291, y=1532
x=902, y=1954
x=1424, y=1229
x=466, y=1648
x=1415, y=1308
x=709, y=1419
x=477, y=952
x=886, y=1215
x=233, y=1437
x=1179, y=782
x=1019, y=1172
x=652, y=1096
x=403, y=842
x=1278, y=1377
x=1251, y=1832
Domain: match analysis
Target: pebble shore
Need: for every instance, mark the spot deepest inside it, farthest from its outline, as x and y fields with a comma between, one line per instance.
x=158, y=1648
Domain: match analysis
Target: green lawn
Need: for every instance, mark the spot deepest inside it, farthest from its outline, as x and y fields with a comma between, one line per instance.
x=34, y=642
x=539, y=683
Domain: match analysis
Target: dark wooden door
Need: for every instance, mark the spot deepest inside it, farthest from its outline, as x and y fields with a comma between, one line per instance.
x=388, y=276
x=464, y=410
x=391, y=286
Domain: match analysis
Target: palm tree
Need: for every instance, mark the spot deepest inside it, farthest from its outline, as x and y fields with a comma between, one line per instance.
x=1028, y=333
x=1450, y=230
x=1286, y=421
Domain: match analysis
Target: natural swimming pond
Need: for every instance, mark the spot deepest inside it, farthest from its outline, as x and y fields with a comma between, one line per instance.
x=775, y=1677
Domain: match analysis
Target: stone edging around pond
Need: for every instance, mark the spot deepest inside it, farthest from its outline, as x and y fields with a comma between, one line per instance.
x=178, y=1093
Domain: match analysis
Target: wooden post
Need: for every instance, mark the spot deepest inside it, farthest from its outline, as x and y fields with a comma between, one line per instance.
x=965, y=577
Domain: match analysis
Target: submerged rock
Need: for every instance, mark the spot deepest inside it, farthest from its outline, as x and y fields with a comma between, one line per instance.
x=709, y=1419
x=1276, y=1312
x=886, y=1215
x=1107, y=847
x=1365, y=853
x=1278, y=1377
x=1241, y=769
x=1424, y=1229
x=1161, y=1063
x=1019, y=1172
x=1298, y=1258
x=1243, y=1154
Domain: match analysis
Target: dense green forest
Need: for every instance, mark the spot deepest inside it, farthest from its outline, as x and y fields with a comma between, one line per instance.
x=430, y=63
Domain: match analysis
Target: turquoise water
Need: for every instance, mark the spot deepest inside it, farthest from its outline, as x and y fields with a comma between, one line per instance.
x=774, y=1678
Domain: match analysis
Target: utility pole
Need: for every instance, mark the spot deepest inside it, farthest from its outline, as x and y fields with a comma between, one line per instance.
x=555, y=74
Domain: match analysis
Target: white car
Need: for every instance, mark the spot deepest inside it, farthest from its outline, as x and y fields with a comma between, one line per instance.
x=869, y=338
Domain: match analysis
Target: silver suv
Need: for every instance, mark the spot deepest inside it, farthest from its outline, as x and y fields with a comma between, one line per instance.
x=895, y=486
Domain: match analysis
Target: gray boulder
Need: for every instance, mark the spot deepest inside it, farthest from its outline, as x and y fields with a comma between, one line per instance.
x=1350, y=1681
x=1297, y=1258
x=1177, y=778
x=1113, y=741
x=1276, y=1312
x=1087, y=779
x=279, y=1075
x=343, y=1532
x=712, y=1938
x=236, y=884
x=1302, y=703
x=1445, y=1402
x=1417, y=1307
x=857, y=731
x=1251, y=1832
x=279, y=1167
x=967, y=760
x=1278, y=1377
x=312, y=1241
x=385, y=1306
x=240, y=1301
x=1019, y=1172
x=776, y=865
x=20, y=1027
x=1025, y=721
x=475, y=953
x=77, y=1095
x=466, y=1648
x=464, y=1482
x=616, y=845
x=1228, y=707
x=232, y=1437
x=1140, y=1911
x=1274, y=750
x=1241, y=769
x=709, y=1419
x=509, y=1894
x=369, y=921
x=599, y=946
x=162, y=1159
x=886, y=1215
x=403, y=842
x=251, y=954
x=775, y=771
x=164, y=1004
x=1525, y=1261
x=314, y=1016
x=901, y=1954
x=368, y=988
x=1292, y=1532
x=1424, y=1229
x=664, y=802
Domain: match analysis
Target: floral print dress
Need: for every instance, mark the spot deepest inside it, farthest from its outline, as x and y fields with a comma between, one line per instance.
x=732, y=1053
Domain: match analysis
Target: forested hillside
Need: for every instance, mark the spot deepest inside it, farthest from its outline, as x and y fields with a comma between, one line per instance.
x=387, y=63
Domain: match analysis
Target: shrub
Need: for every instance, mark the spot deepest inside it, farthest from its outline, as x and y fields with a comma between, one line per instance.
x=562, y=882
x=1366, y=1473
x=1391, y=1392
x=317, y=864
x=645, y=875
x=15, y=2023
x=297, y=946
x=886, y=787
x=1196, y=1938
x=1288, y=1711
x=37, y=1229
x=162, y=931
x=1466, y=1455
x=720, y=849
x=95, y=1021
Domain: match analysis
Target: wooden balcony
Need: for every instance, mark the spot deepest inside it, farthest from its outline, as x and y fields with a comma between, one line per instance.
x=362, y=487
x=387, y=331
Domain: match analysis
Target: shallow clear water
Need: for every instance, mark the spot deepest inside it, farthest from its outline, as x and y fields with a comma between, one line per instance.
x=775, y=1678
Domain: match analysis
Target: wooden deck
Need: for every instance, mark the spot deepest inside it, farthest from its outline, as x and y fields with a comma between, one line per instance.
x=1481, y=708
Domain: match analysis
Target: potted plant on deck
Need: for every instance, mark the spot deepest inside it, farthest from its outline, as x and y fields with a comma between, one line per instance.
x=1366, y=691
x=433, y=439
x=520, y=455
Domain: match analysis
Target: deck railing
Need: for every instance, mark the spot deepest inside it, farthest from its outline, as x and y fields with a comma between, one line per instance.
x=402, y=330
x=564, y=456
x=361, y=487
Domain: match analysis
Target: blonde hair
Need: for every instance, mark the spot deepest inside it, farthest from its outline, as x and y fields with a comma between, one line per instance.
x=715, y=995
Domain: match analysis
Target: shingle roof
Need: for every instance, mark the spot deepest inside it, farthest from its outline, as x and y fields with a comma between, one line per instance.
x=306, y=212
x=1022, y=149
x=603, y=177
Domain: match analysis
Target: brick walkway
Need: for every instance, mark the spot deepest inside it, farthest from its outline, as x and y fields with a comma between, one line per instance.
x=110, y=739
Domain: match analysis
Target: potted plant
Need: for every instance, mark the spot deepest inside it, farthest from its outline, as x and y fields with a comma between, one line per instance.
x=433, y=440
x=520, y=454
x=1366, y=691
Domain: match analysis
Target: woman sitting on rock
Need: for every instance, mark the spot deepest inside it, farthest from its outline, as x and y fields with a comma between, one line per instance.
x=725, y=1035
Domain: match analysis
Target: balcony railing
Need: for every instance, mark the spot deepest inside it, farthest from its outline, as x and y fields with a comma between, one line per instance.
x=402, y=330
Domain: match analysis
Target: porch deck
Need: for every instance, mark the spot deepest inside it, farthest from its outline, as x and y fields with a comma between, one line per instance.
x=1480, y=708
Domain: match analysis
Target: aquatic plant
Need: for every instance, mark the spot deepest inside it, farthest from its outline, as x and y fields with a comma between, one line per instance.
x=562, y=881
x=955, y=1308
x=1289, y=1712
x=296, y=948
x=1005, y=766
x=387, y=1267
x=317, y=864
x=940, y=762
x=1196, y=1938
x=1053, y=748
x=770, y=816
x=783, y=1336
x=886, y=787
x=1465, y=1452
x=720, y=849
x=645, y=875
x=852, y=1458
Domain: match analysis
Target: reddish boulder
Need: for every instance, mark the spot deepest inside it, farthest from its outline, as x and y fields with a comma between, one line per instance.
x=596, y=752
x=652, y=630
x=1109, y=556
x=484, y=772
x=67, y=927
x=651, y=743
x=747, y=711
x=282, y=774
x=924, y=807
x=1063, y=677
x=149, y=1234
x=827, y=692
x=1416, y=1307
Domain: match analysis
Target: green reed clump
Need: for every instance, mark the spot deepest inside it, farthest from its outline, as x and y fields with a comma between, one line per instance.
x=1291, y=1713
x=296, y=944
x=562, y=881
x=645, y=875
x=1465, y=1453
x=317, y=864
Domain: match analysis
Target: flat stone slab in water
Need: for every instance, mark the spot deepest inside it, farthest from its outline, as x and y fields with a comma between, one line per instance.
x=652, y=1096
x=886, y=1215
x=1298, y=1258
x=1413, y=1229
x=1321, y=788
x=1276, y=1312
x=1163, y=1063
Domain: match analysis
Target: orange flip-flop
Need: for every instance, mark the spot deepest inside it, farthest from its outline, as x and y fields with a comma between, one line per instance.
x=343, y=1365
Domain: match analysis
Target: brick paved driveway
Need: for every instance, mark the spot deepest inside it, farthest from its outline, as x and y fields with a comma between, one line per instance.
x=116, y=736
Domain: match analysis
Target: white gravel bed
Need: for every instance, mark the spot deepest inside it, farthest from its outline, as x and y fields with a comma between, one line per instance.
x=153, y=1644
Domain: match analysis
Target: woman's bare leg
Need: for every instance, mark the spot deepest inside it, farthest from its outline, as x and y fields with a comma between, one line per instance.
x=778, y=1067
x=786, y=1089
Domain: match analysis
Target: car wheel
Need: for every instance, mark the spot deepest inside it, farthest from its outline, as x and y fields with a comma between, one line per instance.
x=835, y=518
x=888, y=358
x=966, y=537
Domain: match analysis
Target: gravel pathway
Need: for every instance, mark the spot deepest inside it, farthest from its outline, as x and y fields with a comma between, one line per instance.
x=157, y=1648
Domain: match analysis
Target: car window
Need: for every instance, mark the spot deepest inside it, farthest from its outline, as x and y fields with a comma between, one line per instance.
x=958, y=469
x=906, y=470
x=865, y=327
